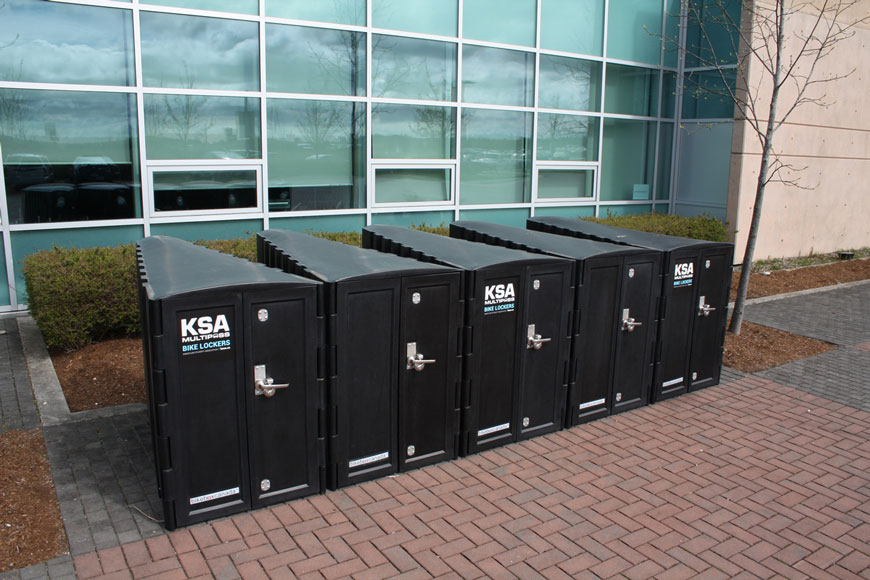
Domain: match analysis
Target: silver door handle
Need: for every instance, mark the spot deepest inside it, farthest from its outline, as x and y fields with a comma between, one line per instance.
x=630, y=324
x=704, y=309
x=418, y=363
x=535, y=340
x=264, y=385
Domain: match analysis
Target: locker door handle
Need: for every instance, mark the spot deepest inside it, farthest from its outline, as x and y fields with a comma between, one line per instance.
x=629, y=323
x=415, y=359
x=264, y=385
x=535, y=340
x=704, y=309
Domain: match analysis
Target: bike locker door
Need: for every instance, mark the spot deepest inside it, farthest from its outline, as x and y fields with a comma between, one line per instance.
x=632, y=373
x=209, y=452
x=598, y=327
x=428, y=369
x=367, y=348
x=711, y=305
x=495, y=364
x=544, y=348
x=281, y=391
x=675, y=331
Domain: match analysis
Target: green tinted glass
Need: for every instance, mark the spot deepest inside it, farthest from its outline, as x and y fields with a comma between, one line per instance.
x=706, y=95
x=69, y=156
x=413, y=132
x=567, y=137
x=237, y=6
x=666, y=150
x=627, y=159
x=316, y=154
x=53, y=42
x=507, y=21
x=569, y=83
x=192, y=52
x=669, y=94
x=571, y=26
x=315, y=60
x=712, y=32
x=672, y=33
x=565, y=183
x=634, y=30
x=216, y=188
x=408, y=68
x=496, y=156
x=497, y=76
x=195, y=127
x=630, y=90
x=412, y=185
x=337, y=11
x=425, y=16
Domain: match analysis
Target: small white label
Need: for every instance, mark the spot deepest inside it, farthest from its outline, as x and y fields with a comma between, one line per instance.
x=594, y=403
x=369, y=459
x=672, y=382
x=215, y=495
x=494, y=429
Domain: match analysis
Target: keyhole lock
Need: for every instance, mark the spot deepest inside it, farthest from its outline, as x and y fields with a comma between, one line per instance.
x=416, y=298
x=411, y=450
x=526, y=421
x=707, y=264
x=536, y=284
x=694, y=376
x=265, y=485
x=618, y=397
x=631, y=272
x=262, y=315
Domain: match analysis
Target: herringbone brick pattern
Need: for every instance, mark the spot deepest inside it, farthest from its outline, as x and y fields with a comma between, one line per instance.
x=750, y=478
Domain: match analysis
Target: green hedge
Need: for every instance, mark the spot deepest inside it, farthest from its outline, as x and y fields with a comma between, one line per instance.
x=702, y=227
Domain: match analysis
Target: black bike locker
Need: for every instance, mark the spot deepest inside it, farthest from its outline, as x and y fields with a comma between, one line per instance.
x=516, y=342
x=615, y=298
x=234, y=398
x=392, y=360
x=696, y=277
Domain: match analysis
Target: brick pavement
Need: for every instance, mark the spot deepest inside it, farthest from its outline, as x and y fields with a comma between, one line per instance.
x=17, y=406
x=750, y=478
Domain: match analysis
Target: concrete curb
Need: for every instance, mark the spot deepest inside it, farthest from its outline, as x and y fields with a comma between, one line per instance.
x=50, y=400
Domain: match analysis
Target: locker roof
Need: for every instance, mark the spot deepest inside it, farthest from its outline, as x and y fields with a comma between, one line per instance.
x=450, y=251
x=529, y=240
x=172, y=267
x=333, y=261
x=616, y=235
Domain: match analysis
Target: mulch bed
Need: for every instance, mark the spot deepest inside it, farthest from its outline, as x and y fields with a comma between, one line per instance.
x=31, y=530
x=760, y=348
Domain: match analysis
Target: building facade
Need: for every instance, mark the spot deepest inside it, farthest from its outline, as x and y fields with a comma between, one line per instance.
x=207, y=119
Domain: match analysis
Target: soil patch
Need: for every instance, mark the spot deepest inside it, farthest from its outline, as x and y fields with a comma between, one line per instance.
x=102, y=374
x=759, y=348
x=31, y=530
x=783, y=281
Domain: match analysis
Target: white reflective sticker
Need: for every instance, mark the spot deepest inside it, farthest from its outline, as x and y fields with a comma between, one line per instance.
x=489, y=430
x=369, y=459
x=215, y=495
x=672, y=382
x=591, y=404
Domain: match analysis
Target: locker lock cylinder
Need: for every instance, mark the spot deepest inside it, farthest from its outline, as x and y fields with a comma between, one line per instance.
x=264, y=385
x=415, y=359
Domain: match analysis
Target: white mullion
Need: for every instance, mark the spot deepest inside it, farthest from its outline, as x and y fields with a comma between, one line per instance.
x=312, y=23
x=195, y=12
x=458, y=148
x=65, y=87
x=146, y=192
x=533, y=193
x=264, y=132
x=369, y=176
x=598, y=173
x=7, y=238
x=78, y=225
x=678, y=106
x=313, y=96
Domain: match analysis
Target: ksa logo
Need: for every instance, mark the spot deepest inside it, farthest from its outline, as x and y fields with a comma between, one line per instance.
x=499, y=292
x=204, y=325
x=684, y=270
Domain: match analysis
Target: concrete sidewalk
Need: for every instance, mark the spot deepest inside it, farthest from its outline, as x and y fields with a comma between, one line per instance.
x=761, y=476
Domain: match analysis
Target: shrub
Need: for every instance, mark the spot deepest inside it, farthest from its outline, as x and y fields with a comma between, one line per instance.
x=702, y=227
x=78, y=296
x=239, y=247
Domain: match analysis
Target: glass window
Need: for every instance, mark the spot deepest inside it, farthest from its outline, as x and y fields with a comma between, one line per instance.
x=627, y=159
x=205, y=189
x=425, y=16
x=496, y=156
x=237, y=6
x=53, y=42
x=337, y=11
x=316, y=155
x=315, y=60
x=634, y=30
x=712, y=32
x=69, y=156
x=631, y=90
x=507, y=21
x=413, y=218
x=666, y=153
x=669, y=94
x=412, y=185
x=565, y=183
x=567, y=137
x=195, y=127
x=413, y=132
x=572, y=26
x=408, y=68
x=705, y=163
x=569, y=83
x=672, y=33
x=705, y=95
x=192, y=52
x=497, y=76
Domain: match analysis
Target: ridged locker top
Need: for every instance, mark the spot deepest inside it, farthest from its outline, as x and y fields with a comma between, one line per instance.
x=616, y=235
x=533, y=241
x=330, y=261
x=172, y=267
x=449, y=251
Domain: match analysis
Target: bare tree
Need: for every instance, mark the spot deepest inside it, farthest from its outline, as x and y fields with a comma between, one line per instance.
x=778, y=70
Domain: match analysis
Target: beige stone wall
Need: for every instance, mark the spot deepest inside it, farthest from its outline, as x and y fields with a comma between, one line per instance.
x=831, y=208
